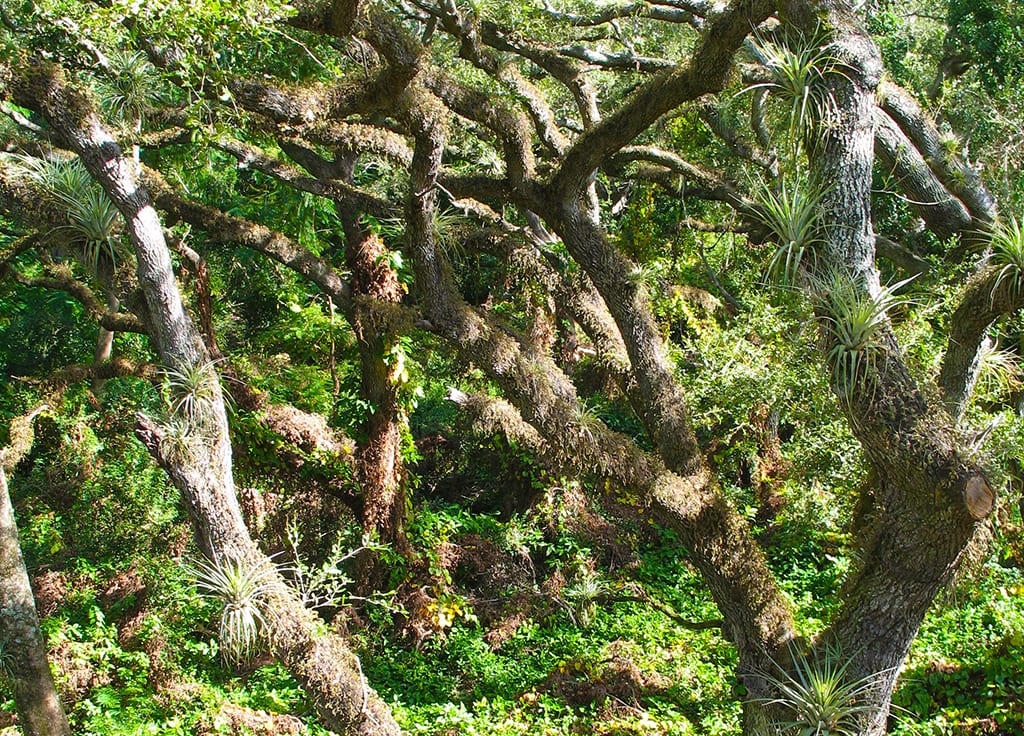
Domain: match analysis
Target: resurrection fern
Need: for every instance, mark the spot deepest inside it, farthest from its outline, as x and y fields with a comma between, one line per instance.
x=1008, y=254
x=852, y=317
x=821, y=697
x=241, y=588
x=793, y=216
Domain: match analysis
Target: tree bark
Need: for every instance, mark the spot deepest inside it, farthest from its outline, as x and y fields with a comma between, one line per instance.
x=22, y=649
x=380, y=452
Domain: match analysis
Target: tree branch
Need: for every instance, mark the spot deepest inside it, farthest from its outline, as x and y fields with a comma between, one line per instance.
x=706, y=72
x=985, y=299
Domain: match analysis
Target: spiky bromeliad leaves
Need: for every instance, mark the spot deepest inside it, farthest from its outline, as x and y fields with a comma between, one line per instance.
x=798, y=66
x=852, y=316
x=92, y=217
x=191, y=392
x=792, y=215
x=241, y=587
x=821, y=698
x=130, y=88
x=1008, y=254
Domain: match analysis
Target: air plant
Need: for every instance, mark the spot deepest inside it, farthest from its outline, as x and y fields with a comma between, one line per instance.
x=1008, y=254
x=92, y=217
x=447, y=227
x=999, y=370
x=584, y=594
x=191, y=392
x=130, y=87
x=853, y=316
x=793, y=216
x=8, y=662
x=242, y=588
x=823, y=699
x=798, y=66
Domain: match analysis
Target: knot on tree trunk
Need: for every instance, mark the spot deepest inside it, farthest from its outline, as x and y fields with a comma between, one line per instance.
x=979, y=497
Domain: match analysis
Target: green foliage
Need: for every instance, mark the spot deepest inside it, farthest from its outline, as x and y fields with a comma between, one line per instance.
x=987, y=32
x=963, y=675
x=42, y=330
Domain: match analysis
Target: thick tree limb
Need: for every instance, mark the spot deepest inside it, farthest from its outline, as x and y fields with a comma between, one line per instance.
x=955, y=174
x=901, y=256
x=757, y=617
x=944, y=214
x=250, y=156
x=199, y=462
x=223, y=228
x=927, y=499
x=25, y=666
x=60, y=279
x=985, y=299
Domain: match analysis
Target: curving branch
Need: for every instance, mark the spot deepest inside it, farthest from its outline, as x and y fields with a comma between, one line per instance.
x=249, y=156
x=60, y=279
x=617, y=61
x=567, y=71
x=359, y=138
x=944, y=214
x=954, y=173
x=712, y=184
x=223, y=228
x=471, y=48
x=676, y=11
x=986, y=297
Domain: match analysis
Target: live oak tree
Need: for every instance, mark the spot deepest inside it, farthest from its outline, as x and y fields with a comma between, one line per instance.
x=537, y=122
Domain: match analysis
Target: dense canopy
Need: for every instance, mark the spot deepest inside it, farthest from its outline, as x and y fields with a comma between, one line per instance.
x=509, y=362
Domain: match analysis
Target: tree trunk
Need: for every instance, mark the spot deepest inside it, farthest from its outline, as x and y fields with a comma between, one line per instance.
x=926, y=500
x=104, y=345
x=198, y=457
x=380, y=451
x=22, y=649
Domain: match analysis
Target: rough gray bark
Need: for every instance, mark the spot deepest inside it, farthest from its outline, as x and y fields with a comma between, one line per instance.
x=104, y=345
x=23, y=660
x=984, y=300
x=944, y=214
x=956, y=175
x=757, y=619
